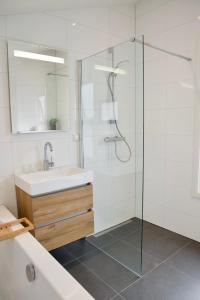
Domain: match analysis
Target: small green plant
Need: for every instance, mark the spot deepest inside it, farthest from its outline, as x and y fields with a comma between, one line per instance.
x=52, y=123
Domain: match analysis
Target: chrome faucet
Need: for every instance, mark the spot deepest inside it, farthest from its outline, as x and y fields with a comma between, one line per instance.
x=46, y=163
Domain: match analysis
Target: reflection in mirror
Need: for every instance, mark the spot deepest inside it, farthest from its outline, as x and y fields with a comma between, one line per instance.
x=39, y=87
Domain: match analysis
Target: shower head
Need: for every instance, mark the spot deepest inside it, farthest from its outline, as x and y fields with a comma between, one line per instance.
x=57, y=74
x=114, y=74
x=121, y=62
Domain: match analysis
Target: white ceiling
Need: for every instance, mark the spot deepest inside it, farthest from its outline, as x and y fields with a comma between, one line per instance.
x=8, y=7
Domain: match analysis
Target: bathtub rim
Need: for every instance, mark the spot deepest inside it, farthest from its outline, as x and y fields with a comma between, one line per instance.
x=61, y=281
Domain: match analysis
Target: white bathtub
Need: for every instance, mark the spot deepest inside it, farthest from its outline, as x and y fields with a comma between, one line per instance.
x=52, y=281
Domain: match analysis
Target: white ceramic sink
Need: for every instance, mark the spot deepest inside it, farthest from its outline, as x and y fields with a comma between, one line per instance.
x=56, y=179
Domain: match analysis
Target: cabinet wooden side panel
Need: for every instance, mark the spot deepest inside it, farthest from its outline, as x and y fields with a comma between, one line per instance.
x=64, y=232
x=53, y=206
x=24, y=204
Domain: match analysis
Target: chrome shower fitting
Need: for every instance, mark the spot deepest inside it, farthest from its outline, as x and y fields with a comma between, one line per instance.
x=121, y=137
x=46, y=163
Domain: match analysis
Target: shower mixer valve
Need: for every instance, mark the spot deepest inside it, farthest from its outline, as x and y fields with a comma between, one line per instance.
x=113, y=139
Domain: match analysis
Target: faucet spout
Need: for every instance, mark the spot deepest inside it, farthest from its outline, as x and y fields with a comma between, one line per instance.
x=46, y=163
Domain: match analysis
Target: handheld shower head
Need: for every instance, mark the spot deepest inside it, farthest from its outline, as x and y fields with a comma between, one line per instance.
x=113, y=75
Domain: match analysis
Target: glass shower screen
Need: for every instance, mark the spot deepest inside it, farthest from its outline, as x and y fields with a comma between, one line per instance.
x=111, y=115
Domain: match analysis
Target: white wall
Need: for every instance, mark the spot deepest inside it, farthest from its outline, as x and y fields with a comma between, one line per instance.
x=169, y=113
x=97, y=29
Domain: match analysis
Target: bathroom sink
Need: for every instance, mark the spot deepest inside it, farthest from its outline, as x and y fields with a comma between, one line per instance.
x=55, y=179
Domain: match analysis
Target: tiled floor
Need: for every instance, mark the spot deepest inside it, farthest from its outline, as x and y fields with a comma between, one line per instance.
x=171, y=264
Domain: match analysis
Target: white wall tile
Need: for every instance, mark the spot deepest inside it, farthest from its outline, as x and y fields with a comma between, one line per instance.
x=97, y=29
x=154, y=145
x=167, y=16
x=178, y=69
x=145, y=6
x=178, y=173
x=157, y=20
x=3, y=56
x=155, y=97
x=5, y=125
x=27, y=156
x=6, y=160
x=128, y=10
x=154, y=121
x=7, y=193
x=180, y=94
x=179, y=148
x=80, y=37
x=175, y=39
x=155, y=213
x=38, y=28
x=121, y=25
x=155, y=72
x=171, y=25
x=2, y=26
x=155, y=169
x=96, y=18
x=189, y=11
x=179, y=121
x=4, y=92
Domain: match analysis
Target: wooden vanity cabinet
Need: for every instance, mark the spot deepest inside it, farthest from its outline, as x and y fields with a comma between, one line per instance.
x=59, y=218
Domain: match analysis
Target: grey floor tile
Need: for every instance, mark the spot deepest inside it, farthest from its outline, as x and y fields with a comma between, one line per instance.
x=151, y=225
x=79, y=248
x=95, y=286
x=131, y=257
x=188, y=260
x=101, y=240
x=62, y=255
x=123, y=230
x=118, y=297
x=112, y=272
x=164, y=283
x=158, y=242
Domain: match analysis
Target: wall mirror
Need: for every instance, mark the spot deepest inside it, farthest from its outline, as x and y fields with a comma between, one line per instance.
x=39, y=87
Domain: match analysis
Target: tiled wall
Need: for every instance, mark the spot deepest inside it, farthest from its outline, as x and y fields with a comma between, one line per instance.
x=97, y=29
x=114, y=190
x=169, y=112
x=169, y=99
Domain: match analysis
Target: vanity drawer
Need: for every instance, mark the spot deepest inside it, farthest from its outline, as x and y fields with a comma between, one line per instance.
x=66, y=231
x=53, y=206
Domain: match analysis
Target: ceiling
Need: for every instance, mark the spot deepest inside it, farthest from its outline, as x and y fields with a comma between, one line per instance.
x=8, y=7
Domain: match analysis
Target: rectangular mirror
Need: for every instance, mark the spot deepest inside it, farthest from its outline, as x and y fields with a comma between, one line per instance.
x=39, y=87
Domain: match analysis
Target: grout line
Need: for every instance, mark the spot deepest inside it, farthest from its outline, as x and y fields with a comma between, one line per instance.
x=77, y=259
x=138, y=279
x=156, y=267
x=113, y=298
x=182, y=272
x=100, y=278
x=177, y=251
x=143, y=252
x=115, y=259
x=151, y=9
x=107, y=31
x=107, y=254
x=168, y=30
